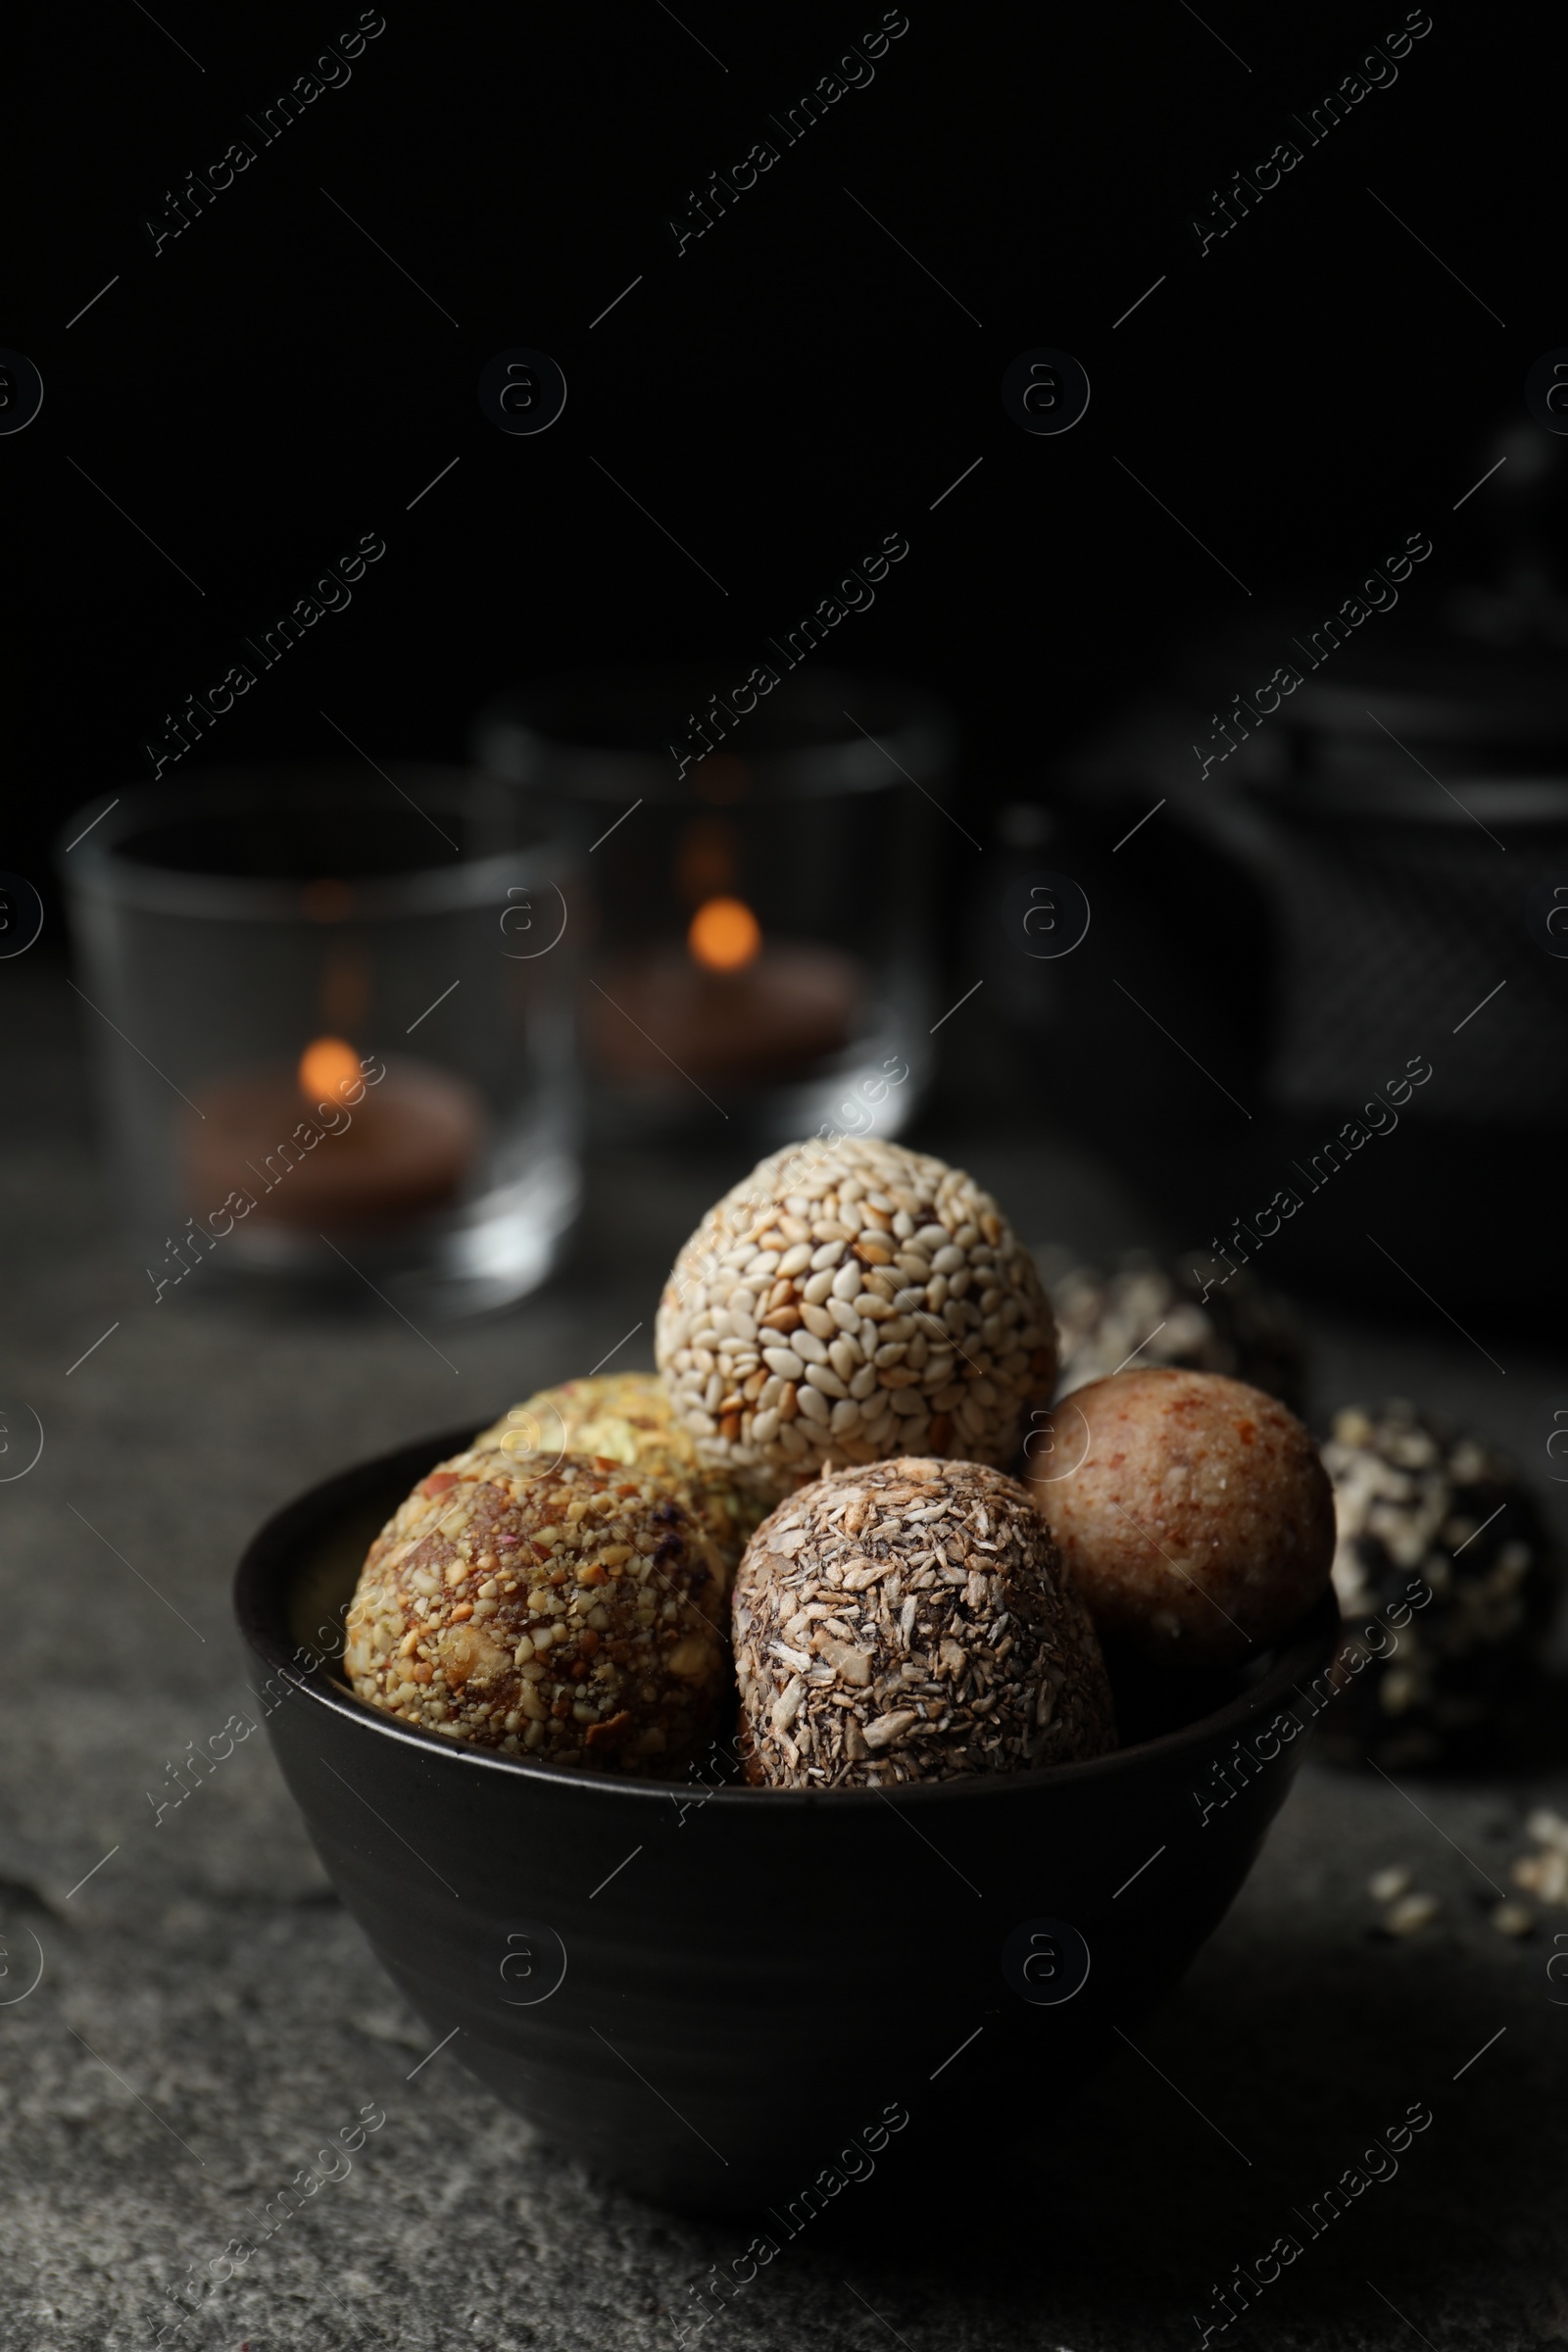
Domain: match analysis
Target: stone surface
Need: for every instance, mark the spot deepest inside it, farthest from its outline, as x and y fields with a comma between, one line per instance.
x=207, y=2016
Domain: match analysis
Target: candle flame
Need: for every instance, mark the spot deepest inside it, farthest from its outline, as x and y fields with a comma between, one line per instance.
x=725, y=935
x=327, y=1069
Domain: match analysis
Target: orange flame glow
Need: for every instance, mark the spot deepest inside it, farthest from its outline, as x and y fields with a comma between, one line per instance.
x=327, y=1069
x=725, y=935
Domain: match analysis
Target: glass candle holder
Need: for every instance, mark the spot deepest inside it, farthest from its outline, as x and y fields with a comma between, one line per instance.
x=332, y=1017
x=762, y=937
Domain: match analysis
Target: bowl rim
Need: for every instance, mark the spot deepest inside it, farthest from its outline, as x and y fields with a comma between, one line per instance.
x=259, y=1582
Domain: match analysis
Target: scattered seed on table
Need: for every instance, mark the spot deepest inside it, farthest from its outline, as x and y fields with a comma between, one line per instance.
x=1410, y=1915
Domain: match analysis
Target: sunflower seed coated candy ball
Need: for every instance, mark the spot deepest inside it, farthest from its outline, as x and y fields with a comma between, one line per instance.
x=913, y=1621
x=847, y=1303
x=627, y=1417
x=575, y=1615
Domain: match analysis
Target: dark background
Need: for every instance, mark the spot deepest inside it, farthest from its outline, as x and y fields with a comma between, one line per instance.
x=782, y=395
x=790, y=389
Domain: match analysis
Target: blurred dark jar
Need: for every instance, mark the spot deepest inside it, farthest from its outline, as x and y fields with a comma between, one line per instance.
x=1401, y=826
x=761, y=947
x=1372, y=865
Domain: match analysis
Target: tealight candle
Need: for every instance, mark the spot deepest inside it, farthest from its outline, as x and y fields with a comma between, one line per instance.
x=728, y=1004
x=340, y=1141
x=761, y=926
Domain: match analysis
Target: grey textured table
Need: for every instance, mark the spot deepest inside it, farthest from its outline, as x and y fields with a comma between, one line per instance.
x=207, y=2016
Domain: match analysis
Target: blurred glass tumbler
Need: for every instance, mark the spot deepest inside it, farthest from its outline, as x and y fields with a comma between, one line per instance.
x=259, y=946
x=763, y=942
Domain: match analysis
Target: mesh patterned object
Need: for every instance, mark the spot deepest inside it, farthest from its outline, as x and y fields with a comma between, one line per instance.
x=847, y=1303
x=1384, y=928
x=627, y=1417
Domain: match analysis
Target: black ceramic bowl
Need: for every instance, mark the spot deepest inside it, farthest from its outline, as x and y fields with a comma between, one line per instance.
x=709, y=1993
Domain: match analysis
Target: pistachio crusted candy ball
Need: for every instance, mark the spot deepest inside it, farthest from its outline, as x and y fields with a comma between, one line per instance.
x=574, y=1616
x=848, y=1304
x=913, y=1621
x=627, y=1417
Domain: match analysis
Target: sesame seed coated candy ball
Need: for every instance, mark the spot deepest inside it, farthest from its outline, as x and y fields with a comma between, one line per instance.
x=913, y=1621
x=849, y=1302
x=575, y=1615
x=1164, y=1314
x=1444, y=1552
x=1199, y=1519
x=627, y=1417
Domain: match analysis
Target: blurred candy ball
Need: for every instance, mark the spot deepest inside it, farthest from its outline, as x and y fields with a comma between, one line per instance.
x=1446, y=1582
x=1173, y=1313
